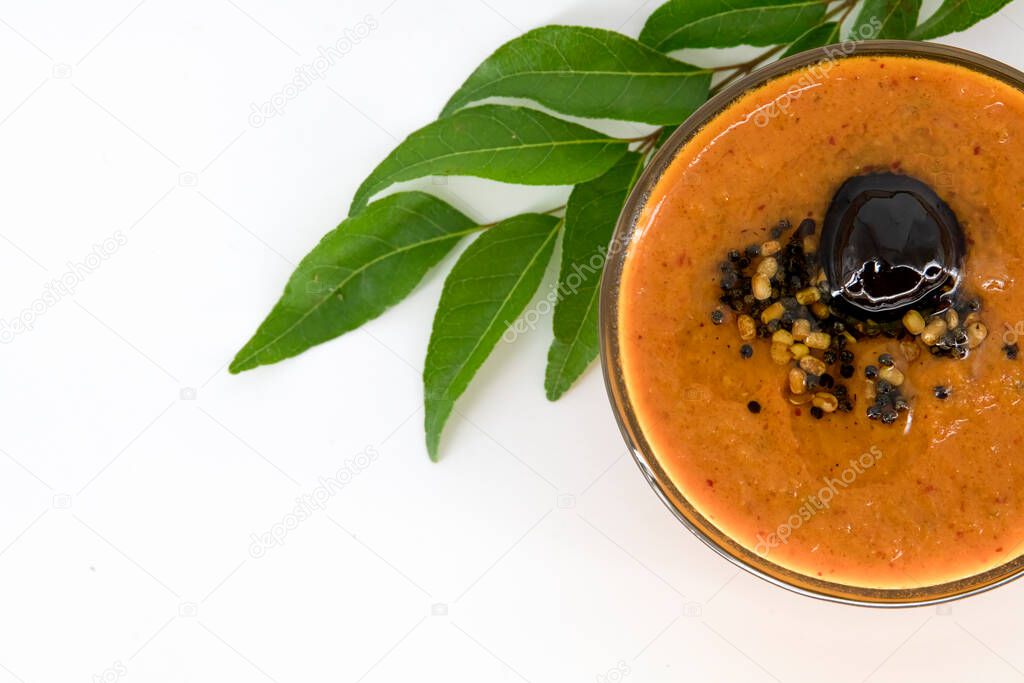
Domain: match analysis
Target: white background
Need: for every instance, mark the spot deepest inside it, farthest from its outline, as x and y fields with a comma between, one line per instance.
x=134, y=470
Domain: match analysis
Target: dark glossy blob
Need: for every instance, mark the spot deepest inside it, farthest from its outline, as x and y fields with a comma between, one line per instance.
x=889, y=242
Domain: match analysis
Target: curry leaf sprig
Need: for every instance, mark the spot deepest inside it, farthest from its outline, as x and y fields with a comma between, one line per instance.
x=389, y=242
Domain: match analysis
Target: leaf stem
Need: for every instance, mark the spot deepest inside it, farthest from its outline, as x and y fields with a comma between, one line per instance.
x=847, y=11
x=648, y=143
x=548, y=212
x=743, y=68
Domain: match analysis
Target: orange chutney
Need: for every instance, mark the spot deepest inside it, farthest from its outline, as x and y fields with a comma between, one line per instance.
x=935, y=497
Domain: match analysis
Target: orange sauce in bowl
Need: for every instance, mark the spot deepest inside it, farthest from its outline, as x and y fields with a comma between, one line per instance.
x=937, y=496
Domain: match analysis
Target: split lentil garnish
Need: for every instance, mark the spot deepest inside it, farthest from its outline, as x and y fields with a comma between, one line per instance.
x=888, y=401
x=778, y=290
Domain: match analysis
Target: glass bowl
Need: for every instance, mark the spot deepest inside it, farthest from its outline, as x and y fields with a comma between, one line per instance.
x=618, y=391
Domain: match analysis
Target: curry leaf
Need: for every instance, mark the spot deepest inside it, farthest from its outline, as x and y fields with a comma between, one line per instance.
x=956, y=15
x=894, y=19
x=819, y=36
x=486, y=291
x=664, y=136
x=510, y=144
x=588, y=72
x=726, y=23
x=590, y=219
x=358, y=270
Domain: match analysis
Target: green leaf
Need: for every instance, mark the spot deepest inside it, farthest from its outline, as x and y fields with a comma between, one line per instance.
x=956, y=15
x=486, y=291
x=819, y=36
x=664, y=136
x=588, y=72
x=682, y=24
x=366, y=264
x=894, y=19
x=590, y=219
x=510, y=144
